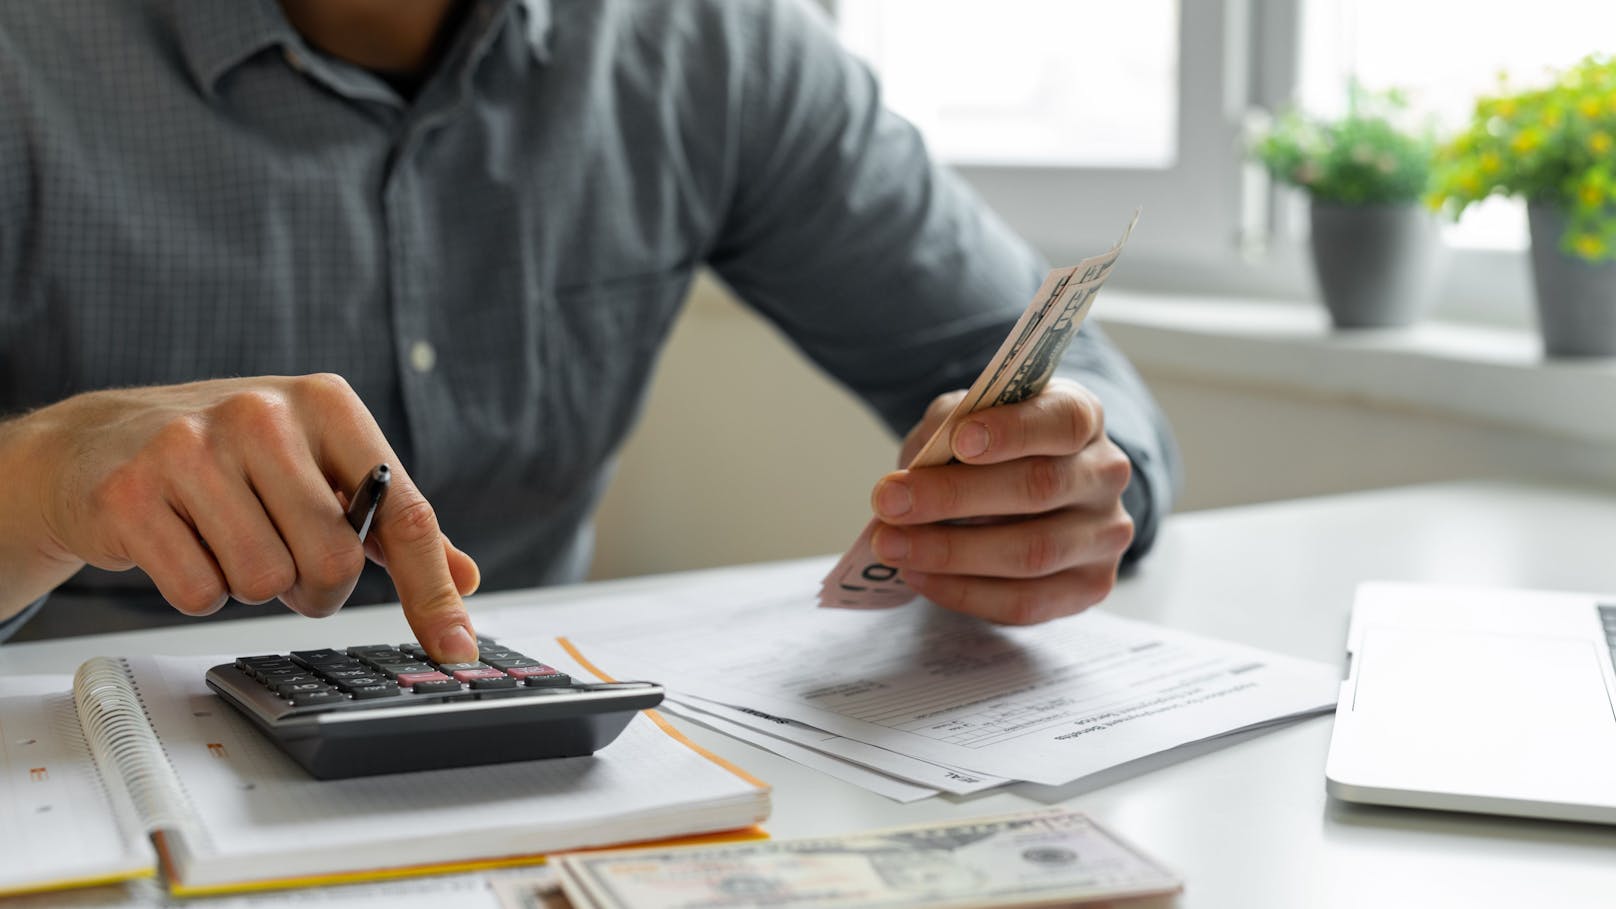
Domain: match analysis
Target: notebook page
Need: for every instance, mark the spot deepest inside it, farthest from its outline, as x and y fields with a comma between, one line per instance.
x=60, y=829
x=1049, y=703
x=250, y=800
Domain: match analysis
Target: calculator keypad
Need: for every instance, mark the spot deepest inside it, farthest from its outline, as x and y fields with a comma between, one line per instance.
x=381, y=674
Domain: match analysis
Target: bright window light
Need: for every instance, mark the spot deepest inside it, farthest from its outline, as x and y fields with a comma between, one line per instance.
x=1445, y=54
x=1054, y=83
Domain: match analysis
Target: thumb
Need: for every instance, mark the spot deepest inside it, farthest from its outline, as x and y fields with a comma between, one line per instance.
x=938, y=411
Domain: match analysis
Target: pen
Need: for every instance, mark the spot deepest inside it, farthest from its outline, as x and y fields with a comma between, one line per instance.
x=367, y=498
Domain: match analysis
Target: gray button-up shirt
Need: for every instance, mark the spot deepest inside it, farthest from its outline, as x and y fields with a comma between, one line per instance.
x=189, y=190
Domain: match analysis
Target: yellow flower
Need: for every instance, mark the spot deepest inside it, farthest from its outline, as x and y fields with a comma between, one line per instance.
x=1589, y=106
x=1600, y=142
x=1588, y=246
x=1505, y=107
x=1590, y=194
x=1526, y=141
x=1470, y=183
x=1491, y=162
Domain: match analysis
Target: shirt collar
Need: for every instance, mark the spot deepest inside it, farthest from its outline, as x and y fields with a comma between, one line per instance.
x=216, y=37
x=540, y=25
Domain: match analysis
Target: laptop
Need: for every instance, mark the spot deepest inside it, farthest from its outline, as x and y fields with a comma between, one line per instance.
x=1483, y=700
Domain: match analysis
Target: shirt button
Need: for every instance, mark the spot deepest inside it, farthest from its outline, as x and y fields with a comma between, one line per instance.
x=422, y=356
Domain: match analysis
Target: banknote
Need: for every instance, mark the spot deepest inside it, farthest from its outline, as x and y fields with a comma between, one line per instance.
x=1021, y=368
x=1049, y=857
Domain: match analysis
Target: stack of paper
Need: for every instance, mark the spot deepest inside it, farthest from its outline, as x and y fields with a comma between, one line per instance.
x=914, y=701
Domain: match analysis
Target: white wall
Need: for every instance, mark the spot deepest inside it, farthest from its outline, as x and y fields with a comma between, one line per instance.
x=745, y=453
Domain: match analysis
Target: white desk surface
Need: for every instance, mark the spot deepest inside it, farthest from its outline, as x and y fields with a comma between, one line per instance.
x=1247, y=824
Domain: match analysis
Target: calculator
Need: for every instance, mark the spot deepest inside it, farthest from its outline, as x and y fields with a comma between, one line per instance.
x=380, y=708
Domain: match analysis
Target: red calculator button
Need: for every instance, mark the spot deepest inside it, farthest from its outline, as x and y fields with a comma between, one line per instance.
x=408, y=679
x=526, y=672
x=466, y=675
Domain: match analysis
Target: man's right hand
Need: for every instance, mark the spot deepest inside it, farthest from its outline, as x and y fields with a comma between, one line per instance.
x=232, y=487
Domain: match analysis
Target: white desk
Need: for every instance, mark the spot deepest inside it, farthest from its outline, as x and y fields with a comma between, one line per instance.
x=1249, y=824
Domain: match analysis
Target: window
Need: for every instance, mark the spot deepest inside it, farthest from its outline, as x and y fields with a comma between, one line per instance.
x=1066, y=114
x=1445, y=56
x=984, y=94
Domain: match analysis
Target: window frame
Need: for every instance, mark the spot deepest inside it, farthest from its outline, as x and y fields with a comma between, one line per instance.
x=1213, y=223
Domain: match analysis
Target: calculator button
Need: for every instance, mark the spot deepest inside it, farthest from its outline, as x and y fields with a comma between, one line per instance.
x=288, y=689
x=358, y=672
x=378, y=690
x=337, y=665
x=280, y=674
x=538, y=670
x=296, y=679
x=416, y=678
x=491, y=683
x=264, y=669
x=556, y=680
x=489, y=654
x=384, y=656
x=323, y=655
x=453, y=668
x=371, y=650
x=334, y=661
x=305, y=698
x=437, y=686
x=360, y=682
x=466, y=675
x=394, y=670
x=247, y=663
x=512, y=662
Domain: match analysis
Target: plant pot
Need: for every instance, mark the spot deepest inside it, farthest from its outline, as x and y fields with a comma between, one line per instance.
x=1376, y=264
x=1576, y=300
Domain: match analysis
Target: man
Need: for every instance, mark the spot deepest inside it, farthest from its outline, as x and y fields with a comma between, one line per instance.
x=250, y=250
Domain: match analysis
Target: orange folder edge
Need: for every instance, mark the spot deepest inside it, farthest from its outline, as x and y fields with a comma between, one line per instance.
x=89, y=880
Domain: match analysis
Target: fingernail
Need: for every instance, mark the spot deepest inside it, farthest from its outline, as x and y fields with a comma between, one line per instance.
x=971, y=440
x=457, y=646
x=892, y=498
x=891, y=544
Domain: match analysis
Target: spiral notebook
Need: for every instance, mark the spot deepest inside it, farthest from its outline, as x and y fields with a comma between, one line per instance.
x=135, y=768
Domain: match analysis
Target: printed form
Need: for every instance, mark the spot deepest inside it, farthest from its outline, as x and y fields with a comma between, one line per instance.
x=1050, y=703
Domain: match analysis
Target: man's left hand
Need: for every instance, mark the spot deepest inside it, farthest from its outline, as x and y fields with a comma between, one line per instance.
x=1028, y=526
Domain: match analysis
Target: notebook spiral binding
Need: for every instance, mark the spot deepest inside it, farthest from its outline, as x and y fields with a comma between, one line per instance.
x=119, y=733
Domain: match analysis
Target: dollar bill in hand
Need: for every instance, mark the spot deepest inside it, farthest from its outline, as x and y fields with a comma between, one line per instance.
x=1022, y=367
x=1050, y=857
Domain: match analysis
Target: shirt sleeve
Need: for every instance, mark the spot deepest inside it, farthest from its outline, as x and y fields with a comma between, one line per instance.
x=14, y=624
x=882, y=267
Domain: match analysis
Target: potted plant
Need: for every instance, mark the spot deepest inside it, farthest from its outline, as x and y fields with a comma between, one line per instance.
x=1374, y=245
x=1553, y=147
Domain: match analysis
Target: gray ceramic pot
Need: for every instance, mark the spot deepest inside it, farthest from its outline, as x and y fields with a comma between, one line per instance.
x=1376, y=264
x=1576, y=300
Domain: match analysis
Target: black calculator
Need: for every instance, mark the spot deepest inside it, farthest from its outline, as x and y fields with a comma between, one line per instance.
x=380, y=708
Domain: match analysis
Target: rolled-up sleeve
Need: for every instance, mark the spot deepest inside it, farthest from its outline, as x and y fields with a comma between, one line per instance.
x=884, y=268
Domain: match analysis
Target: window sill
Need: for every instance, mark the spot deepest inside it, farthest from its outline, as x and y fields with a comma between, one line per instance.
x=1495, y=376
